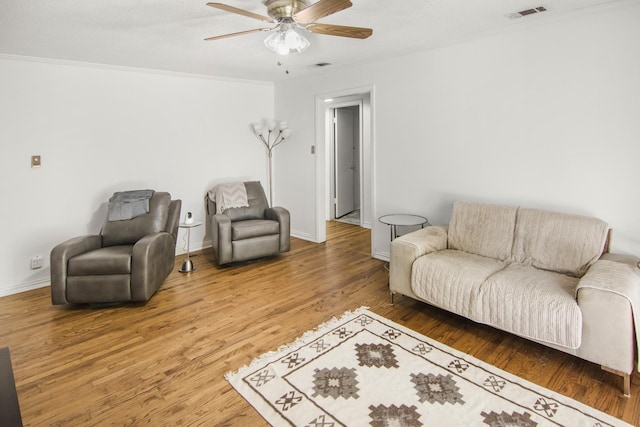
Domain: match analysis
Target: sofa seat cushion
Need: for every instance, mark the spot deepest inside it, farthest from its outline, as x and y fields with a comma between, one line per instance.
x=109, y=260
x=534, y=304
x=450, y=279
x=249, y=229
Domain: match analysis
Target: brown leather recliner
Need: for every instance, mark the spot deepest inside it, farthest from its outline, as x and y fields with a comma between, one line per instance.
x=128, y=261
x=256, y=231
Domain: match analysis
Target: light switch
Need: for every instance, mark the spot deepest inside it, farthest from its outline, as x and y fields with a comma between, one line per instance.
x=35, y=161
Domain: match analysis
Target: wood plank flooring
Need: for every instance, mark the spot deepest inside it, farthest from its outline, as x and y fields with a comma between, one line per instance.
x=162, y=363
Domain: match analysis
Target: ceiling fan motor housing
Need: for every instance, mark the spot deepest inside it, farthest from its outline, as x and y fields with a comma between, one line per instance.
x=282, y=9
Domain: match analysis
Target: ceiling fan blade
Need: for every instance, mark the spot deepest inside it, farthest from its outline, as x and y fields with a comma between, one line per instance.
x=241, y=33
x=242, y=12
x=321, y=9
x=340, y=30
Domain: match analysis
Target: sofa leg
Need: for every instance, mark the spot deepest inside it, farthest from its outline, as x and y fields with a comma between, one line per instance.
x=392, y=295
x=627, y=384
x=626, y=379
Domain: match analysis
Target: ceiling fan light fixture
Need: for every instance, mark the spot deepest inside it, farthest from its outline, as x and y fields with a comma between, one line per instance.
x=288, y=16
x=286, y=40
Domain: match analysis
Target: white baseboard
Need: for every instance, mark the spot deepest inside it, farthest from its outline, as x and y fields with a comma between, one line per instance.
x=193, y=248
x=384, y=256
x=23, y=287
x=41, y=283
x=303, y=236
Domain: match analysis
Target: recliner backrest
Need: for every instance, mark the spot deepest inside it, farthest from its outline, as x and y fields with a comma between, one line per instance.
x=257, y=204
x=128, y=232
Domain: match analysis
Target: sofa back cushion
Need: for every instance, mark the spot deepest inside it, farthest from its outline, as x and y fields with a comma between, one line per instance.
x=128, y=232
x=559, y=242
x=482, y=229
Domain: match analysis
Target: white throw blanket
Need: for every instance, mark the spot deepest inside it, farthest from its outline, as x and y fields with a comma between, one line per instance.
x=229, y=195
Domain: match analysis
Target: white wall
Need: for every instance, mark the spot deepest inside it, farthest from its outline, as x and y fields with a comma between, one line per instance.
x=544, y=116
x=101, y=130
x=547, y=115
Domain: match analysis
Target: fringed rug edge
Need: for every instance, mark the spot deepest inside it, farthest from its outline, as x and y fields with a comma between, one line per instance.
x=301, y=340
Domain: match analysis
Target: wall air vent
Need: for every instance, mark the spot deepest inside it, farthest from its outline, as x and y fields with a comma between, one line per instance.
x=527, y=12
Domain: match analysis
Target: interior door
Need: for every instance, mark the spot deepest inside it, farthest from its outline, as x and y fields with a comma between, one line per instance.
x=345, y=161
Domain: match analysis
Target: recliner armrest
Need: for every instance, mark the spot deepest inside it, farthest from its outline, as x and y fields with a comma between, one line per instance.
x=59, y=258
x=281, y=215
x=406, y=249
x=152, y=259
x=221, y=238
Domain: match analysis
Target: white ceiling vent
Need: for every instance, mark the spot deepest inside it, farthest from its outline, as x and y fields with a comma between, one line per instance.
x=527, y=12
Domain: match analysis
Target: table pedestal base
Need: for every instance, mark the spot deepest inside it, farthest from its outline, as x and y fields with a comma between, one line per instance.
x=187, y=266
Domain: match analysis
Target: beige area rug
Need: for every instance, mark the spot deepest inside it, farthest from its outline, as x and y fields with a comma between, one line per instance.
x=365, y=370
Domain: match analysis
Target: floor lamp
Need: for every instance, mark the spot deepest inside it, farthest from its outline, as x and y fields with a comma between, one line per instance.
x=271, y=135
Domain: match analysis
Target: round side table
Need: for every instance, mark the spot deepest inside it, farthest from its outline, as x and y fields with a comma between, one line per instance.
x=395, y=220
x=187, y=265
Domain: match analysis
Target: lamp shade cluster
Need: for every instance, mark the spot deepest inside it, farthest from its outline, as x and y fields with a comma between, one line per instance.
x=271, y=134
x=286, y=40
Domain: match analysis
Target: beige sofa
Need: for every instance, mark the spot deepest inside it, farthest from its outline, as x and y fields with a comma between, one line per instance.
x=538, y=274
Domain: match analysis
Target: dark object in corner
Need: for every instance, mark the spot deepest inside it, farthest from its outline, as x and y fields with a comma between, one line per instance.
x=9, y=406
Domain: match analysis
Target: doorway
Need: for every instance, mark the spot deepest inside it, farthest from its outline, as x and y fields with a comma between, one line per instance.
x=346, y=164
x=363, y=99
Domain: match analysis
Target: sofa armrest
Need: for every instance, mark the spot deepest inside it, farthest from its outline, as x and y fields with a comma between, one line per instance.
x=59, y=258
x=609, y=298
x=282, y=216
x=221, y=238
x=152, y=260
x=406, y=249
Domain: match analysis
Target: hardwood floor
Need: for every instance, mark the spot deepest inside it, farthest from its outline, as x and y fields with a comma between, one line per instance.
x=163, y=363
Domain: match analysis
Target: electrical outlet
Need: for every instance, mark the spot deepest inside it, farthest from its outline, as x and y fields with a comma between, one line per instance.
x=37, y=262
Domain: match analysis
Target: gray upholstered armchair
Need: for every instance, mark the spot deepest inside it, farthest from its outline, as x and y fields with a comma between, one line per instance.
x=256, y=231
x=128, y=261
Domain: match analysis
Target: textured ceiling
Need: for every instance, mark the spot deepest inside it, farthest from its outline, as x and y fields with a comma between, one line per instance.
x=168, y=34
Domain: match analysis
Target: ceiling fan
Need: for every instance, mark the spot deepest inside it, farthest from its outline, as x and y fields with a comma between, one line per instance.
x=289, y=15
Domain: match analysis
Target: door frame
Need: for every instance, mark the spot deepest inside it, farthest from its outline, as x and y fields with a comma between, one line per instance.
x=324, y=103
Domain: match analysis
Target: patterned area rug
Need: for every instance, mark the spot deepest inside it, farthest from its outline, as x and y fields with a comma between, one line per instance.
x=365, y=370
